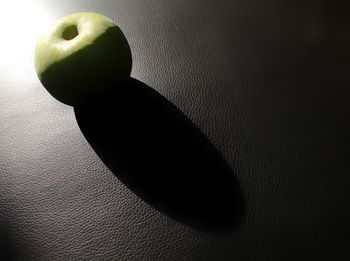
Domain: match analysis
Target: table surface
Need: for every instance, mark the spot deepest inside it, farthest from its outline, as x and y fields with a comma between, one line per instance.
x=266, y=82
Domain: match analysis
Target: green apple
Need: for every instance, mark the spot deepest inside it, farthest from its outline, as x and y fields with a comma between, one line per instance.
x=81, y=55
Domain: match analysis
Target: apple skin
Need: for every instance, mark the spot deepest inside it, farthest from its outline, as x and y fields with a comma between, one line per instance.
x=82, y=55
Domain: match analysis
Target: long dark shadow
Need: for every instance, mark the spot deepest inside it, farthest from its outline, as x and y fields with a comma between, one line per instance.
x=159, y=154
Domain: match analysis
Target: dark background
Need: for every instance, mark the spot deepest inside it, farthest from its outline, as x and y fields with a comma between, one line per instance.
x=267, y=82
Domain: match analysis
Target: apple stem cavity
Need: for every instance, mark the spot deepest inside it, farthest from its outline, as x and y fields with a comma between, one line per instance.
x=70, y=32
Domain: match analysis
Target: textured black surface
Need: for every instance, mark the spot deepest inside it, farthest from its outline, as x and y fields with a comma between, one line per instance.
x=266, y=81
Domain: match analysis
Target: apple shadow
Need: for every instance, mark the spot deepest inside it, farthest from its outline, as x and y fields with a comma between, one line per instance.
x=160, y=155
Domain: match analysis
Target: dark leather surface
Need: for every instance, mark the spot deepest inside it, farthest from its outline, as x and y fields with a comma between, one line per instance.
x=267, y=82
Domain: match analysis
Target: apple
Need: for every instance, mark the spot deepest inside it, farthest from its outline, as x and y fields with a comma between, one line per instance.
x=80, y=56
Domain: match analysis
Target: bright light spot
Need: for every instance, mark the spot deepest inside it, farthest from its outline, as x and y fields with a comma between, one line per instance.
x=20, y=26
